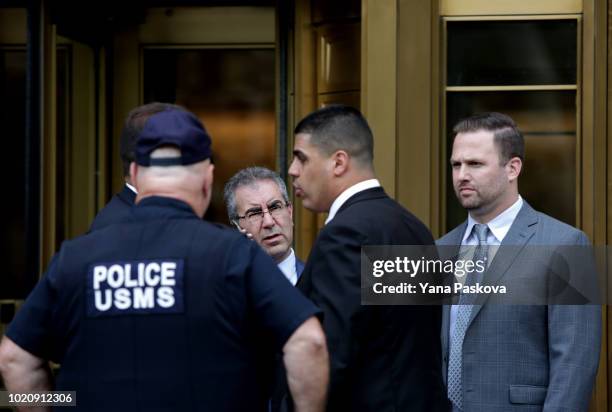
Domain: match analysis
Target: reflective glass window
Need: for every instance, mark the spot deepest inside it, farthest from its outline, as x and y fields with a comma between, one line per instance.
x=232, y=91
x=531, y=52
x=548, y=122
x=13, y=282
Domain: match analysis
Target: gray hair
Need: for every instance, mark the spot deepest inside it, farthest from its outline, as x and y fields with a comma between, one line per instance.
x=247, y=177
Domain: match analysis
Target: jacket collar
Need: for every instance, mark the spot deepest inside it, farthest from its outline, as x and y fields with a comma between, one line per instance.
x=368, y=194
x=523, y=228
x=127, y=195
x=159, y=206
x=347, y=194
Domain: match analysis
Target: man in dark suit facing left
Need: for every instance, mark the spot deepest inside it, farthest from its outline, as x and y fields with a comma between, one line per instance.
x=383, y=358
x=118, y=208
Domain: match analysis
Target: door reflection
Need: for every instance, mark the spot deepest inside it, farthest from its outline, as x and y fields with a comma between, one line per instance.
x=13, y=284
x=232, y=91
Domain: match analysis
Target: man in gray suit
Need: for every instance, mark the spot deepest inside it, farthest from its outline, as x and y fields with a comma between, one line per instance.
x=511, y=357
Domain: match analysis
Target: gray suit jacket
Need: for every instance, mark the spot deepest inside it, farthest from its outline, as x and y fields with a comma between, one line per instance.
x=527, y=358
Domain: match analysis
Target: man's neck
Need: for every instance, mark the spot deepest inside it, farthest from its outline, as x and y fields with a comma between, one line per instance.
x=282, y=257
x=489, y=215
x=350, y=181
x=191, y=200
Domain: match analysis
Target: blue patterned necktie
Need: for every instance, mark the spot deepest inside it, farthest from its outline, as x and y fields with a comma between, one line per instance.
x=464, y=310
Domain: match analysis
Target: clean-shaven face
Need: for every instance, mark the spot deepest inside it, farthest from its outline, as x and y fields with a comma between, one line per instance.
x=274, y=232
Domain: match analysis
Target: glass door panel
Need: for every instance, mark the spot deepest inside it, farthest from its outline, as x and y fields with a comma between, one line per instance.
x=548, y=122
x=532, y=52
x=526, y=68
x=232, y=91
x=13, y=283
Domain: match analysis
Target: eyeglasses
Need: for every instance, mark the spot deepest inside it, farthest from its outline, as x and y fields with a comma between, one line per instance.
x=255, y=216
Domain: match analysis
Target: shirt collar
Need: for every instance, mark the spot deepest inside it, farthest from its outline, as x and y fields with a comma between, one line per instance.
x=344, y=196
x=498, y=226
x=132, y=188
x=287, y=266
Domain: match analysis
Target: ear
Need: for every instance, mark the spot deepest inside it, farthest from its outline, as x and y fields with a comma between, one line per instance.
x=513, y=168
x=340, y=160
x=290, y=209
x=134, y=174
x=208, y=180
x=236, y=224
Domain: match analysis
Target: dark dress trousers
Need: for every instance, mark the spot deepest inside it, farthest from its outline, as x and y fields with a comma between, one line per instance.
x=382, y=358
x=116, y=210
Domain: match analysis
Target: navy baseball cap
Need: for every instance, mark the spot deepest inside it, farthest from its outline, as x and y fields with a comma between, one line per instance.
x=173, y=127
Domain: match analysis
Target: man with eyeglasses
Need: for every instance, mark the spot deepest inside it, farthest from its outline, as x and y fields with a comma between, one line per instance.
x=257, y=203
x=166, y=312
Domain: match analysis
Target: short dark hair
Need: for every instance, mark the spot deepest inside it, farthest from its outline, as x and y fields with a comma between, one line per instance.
x=339, y=127
x=247, y=177
x=133, y=126
x=506, y=134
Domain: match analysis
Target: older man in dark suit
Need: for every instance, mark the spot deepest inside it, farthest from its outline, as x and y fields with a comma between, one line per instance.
x=118, y=208
x=258, y=204
x=383, y=358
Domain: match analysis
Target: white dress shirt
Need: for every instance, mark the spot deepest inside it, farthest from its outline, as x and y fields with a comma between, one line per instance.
x=287, y=266
x=132, y=188
x=498, y=229
x=344, y=196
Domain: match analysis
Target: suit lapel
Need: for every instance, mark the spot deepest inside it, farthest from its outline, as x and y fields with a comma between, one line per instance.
x=299, y=267
x=452, y=242
x=522, y=230
x=303, y=282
